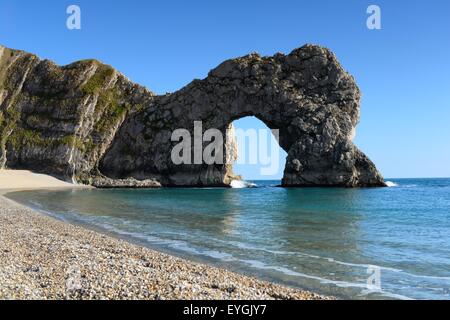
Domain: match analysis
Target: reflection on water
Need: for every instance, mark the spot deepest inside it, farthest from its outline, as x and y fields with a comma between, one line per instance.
x=326, y=240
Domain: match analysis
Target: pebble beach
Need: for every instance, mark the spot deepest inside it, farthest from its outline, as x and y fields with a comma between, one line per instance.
x=44, y=258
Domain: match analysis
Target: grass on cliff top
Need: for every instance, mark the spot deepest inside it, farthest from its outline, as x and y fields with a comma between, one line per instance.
x=98, y=80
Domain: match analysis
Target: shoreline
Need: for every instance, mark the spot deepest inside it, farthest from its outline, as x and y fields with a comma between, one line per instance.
x=42, y=257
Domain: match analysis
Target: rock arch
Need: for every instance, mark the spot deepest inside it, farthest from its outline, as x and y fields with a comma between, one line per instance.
x=88, y=123
x=307, y=95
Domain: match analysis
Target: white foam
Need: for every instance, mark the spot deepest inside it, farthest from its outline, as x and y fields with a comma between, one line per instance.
x=239, y=184
x=391, y=184
x=296, y=253
x=342, y=284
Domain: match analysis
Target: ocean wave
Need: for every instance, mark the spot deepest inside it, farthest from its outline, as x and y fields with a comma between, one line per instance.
x=178, y=245
x=342, y=284
x=332, y=260
x=239, y=184
x=391, y=184
x=302, y=254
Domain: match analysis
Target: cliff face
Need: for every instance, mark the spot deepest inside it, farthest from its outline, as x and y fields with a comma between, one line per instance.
x=88, y=123
x=61, y=120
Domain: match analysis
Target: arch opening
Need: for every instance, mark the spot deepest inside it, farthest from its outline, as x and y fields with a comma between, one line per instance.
x=258, y=155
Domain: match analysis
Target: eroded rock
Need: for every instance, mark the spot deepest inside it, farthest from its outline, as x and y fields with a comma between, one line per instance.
x=88, y=123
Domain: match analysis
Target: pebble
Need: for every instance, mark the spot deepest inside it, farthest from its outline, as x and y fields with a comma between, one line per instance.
x=44, y=258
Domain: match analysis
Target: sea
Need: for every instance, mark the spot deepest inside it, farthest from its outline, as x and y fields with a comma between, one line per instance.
x=375, y=243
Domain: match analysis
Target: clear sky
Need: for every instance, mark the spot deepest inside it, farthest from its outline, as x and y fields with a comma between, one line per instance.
x=403, y=70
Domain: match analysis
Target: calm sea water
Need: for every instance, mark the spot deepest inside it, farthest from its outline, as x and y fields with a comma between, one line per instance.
x=353, y=243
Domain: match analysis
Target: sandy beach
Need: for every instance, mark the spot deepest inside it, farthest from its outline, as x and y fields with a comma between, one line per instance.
x=44, y=258
x=23, y=179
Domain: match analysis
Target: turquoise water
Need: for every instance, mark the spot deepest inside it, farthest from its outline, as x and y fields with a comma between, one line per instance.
x=327, y=240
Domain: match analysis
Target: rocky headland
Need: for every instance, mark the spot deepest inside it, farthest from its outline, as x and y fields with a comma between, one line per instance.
x=87, y=123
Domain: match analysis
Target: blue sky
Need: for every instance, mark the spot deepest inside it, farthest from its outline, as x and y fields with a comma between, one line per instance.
x=403, y=70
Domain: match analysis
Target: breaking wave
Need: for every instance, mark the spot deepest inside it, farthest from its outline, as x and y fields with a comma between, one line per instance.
x=391, y=184
x=239, y=184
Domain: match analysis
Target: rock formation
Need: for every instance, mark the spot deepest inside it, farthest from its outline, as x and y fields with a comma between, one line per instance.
x=88, y=123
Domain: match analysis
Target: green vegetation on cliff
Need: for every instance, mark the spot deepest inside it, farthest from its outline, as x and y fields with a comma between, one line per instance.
x=21, y=138
x=98, y=80
x=111, y=108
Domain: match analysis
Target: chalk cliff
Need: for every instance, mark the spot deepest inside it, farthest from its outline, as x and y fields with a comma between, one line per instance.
x=88, y=123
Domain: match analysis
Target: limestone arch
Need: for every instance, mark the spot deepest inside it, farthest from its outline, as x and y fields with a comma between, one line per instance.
x=307, y=95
